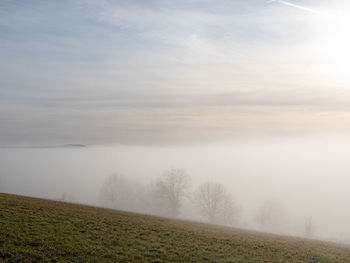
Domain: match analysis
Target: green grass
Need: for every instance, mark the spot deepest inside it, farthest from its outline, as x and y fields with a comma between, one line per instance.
x=36, y=230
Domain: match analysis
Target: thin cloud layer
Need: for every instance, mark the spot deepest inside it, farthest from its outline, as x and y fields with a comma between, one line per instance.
x=164, y=71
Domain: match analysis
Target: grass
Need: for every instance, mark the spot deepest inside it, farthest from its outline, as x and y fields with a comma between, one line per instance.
x=36, y=230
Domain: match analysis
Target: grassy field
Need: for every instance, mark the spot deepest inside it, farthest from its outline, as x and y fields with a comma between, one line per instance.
x=35, y=230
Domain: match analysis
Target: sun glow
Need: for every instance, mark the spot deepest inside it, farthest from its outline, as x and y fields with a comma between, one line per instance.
x=335, y=43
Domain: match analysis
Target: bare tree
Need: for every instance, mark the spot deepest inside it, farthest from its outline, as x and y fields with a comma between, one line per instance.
x=169, y=190
x=215, y=204
x=230, y=212
x=270, y=216
x=309, y=227
x=117, y=193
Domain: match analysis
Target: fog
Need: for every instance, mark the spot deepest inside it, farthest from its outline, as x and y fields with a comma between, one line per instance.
x=307, y=177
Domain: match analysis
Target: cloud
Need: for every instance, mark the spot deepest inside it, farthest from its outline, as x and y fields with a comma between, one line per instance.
x=301, y=7
x=119, y=71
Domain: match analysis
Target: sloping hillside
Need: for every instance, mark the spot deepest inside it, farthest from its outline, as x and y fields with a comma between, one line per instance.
x=35, y=230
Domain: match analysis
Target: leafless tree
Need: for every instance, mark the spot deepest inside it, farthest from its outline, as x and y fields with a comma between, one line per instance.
x=230, y=212
x=169, y=190
x=270, y=216
x=117, y=193
x=215, y=204
x=309, y=227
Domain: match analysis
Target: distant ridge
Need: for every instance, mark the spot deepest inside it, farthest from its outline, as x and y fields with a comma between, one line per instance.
x=70, y=145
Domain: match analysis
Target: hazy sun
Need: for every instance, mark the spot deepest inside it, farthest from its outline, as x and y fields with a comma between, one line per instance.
x=335, y=43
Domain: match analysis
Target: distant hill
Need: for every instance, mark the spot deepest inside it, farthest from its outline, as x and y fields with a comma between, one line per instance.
x=70, y=145
x=36, y=230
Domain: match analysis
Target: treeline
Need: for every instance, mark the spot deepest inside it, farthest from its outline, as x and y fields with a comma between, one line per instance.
x=210, y=201
x=166, y=195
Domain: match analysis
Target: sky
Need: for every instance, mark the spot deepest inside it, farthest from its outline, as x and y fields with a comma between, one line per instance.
x=171, y=72
x=251, y=93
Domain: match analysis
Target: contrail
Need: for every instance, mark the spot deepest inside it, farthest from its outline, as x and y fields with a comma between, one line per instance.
x=298, y=6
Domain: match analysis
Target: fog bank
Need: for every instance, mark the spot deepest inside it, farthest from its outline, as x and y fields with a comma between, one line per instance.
x=307, y=176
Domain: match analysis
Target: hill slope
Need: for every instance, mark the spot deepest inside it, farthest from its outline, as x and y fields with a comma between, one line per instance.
x=35, y=230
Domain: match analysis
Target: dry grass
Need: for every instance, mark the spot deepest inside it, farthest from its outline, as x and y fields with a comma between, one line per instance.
x=35, y=230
